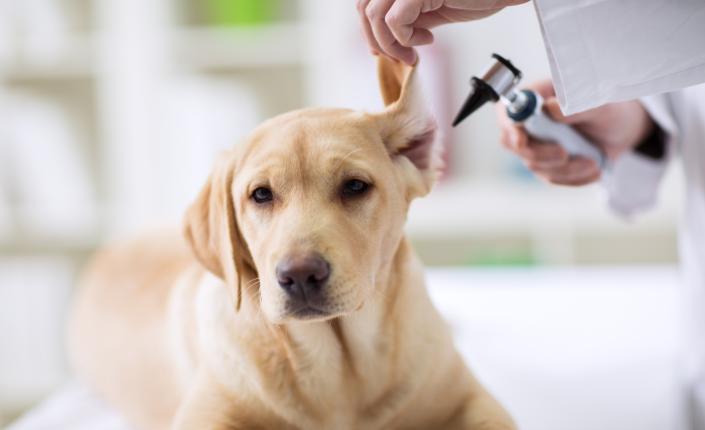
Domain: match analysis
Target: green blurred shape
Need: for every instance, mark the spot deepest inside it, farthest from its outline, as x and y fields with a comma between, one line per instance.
x=241, y=12
x=501, y=259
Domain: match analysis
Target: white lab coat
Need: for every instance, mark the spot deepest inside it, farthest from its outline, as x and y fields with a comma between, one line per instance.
x=681, y=115
x=632, y=187
x=610, y=50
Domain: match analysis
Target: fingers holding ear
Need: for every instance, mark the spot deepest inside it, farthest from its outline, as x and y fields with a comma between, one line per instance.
x=418, y=37
x=390, y=26
x=366, y=28
x=375, y=13
x=402, y=17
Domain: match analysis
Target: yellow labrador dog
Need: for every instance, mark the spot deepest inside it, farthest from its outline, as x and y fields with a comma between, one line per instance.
x=299, y=305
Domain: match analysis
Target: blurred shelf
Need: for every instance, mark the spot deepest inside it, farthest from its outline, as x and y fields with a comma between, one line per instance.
x=68, y=248
x=74, y=61
x=234, y=48
x=458, y=209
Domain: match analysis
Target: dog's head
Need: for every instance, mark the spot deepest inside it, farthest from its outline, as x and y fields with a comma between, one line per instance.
x=310, y=209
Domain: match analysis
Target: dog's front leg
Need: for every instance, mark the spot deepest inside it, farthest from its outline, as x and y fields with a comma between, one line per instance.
x=482, y=412
x=205, y=406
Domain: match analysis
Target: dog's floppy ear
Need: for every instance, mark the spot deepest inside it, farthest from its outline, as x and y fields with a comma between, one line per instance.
x=212, y=231
x=408, y=128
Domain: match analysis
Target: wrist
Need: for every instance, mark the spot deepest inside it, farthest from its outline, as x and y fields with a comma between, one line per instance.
x=646, y=127
x=653, y=146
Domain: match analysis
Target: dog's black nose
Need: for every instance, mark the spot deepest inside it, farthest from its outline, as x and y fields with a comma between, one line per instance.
x=303, y=276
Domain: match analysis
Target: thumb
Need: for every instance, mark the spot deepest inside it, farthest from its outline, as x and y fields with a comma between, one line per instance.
x=553, y=110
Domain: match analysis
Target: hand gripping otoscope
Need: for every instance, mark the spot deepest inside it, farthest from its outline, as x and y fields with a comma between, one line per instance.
x=524, y=107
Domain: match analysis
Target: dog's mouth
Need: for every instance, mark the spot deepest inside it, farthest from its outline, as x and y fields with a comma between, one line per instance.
x=308, y=311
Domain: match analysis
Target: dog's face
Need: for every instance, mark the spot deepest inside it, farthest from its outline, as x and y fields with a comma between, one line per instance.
x=320, y=208
x=308, y=211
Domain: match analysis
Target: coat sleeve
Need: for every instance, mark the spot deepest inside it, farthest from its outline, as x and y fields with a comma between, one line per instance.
x=632, y=181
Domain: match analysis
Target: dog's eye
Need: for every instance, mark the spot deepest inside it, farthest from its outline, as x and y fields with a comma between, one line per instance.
x=355, y=187
x=262, y=195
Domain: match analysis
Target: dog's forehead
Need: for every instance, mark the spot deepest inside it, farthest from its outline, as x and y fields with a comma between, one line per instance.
x=316, y=138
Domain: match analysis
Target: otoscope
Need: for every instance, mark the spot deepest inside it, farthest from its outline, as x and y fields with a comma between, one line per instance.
x=524, y=107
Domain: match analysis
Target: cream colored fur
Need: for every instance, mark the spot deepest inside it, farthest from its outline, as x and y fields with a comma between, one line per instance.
x=195, y=333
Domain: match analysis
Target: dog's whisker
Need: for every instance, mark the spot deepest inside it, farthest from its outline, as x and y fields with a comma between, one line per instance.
x=252, y=284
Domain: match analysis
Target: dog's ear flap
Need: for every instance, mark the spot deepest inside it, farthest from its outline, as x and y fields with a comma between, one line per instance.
x=392, y=75
x=408, y=128
x=211, y=229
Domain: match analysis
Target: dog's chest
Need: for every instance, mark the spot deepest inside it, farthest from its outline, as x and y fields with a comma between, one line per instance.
x=360, y=373
x=349, y=372
x=317, y=384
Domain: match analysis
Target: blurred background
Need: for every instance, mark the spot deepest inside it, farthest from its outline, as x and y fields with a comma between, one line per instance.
x=112, y=112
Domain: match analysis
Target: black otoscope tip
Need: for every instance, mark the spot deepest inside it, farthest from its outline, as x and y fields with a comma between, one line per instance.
x=480, y=94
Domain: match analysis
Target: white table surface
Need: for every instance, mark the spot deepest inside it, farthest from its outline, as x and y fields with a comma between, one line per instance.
x=564, y=349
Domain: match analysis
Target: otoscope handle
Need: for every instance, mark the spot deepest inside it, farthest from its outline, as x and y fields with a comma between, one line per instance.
x=541, y=126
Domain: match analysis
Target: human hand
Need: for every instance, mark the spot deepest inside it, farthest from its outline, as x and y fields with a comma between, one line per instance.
x=614, y=128
x=394, y=27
